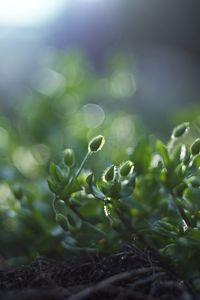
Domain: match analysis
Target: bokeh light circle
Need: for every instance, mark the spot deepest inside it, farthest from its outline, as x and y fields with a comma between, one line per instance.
x=92, y=115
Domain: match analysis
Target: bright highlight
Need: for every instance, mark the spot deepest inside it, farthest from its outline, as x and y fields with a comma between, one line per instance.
x=28, y=12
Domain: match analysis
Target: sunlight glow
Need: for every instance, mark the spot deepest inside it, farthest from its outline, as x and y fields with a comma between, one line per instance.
x=28, y=12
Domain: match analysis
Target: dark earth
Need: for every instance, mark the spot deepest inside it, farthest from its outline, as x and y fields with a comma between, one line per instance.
x=129, y=274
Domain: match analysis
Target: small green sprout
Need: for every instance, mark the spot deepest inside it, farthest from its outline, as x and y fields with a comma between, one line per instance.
x=69, y=158
x=195, y=148
x=180, y=130
x=126, y=168
x=109, y=174
x=96, y=144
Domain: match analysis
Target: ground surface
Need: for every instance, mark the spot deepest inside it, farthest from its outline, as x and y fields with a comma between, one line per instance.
x=128, y=274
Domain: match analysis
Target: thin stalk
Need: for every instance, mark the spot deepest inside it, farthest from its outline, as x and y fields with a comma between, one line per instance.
x=171, y=144
x=184, y=216
x=181, y=212
x=71, y=206
x=53, y=204
x=82, y=164
x=140, y=238
x=126, y=224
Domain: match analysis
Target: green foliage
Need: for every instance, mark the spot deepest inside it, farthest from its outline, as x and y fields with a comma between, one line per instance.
x=156, y=202
x=147, y=194
x=66, y=107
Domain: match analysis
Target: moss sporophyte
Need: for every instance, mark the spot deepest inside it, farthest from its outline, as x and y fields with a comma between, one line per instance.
x=154, y=201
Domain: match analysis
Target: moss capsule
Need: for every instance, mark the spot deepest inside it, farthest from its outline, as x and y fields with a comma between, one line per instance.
x=180, y=130
x=96, y=144
x=69, y=158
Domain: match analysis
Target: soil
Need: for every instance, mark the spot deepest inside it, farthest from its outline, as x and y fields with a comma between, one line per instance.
x=128, y=274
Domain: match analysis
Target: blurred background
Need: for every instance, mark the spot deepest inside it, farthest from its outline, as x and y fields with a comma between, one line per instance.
x=159, y=40
x=71, y=69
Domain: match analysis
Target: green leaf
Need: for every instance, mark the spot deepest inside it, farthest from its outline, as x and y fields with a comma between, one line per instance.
x=56, y=174
x=77, y=250
x=73, y=220
x=114, y=190
x=193, y=235
x=196, y=161
x=103, y=185
x=92, y=189
x=142, y=155
x=162, y=150
x=59, y=174
x=60, y=207
x=178, y=154
x=166, y=225
x=164, y=228
x=192, y=194
x=53, y=186
x=179, y=189
x=73, y=187
x=62, y=221
x=194, y=181
x=52, y=170
x=127, y=187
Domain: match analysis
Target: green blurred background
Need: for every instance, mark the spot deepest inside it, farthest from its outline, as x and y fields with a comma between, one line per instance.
x=71, y=71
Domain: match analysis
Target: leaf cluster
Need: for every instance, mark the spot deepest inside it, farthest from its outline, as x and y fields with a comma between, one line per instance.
x=152, y=199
